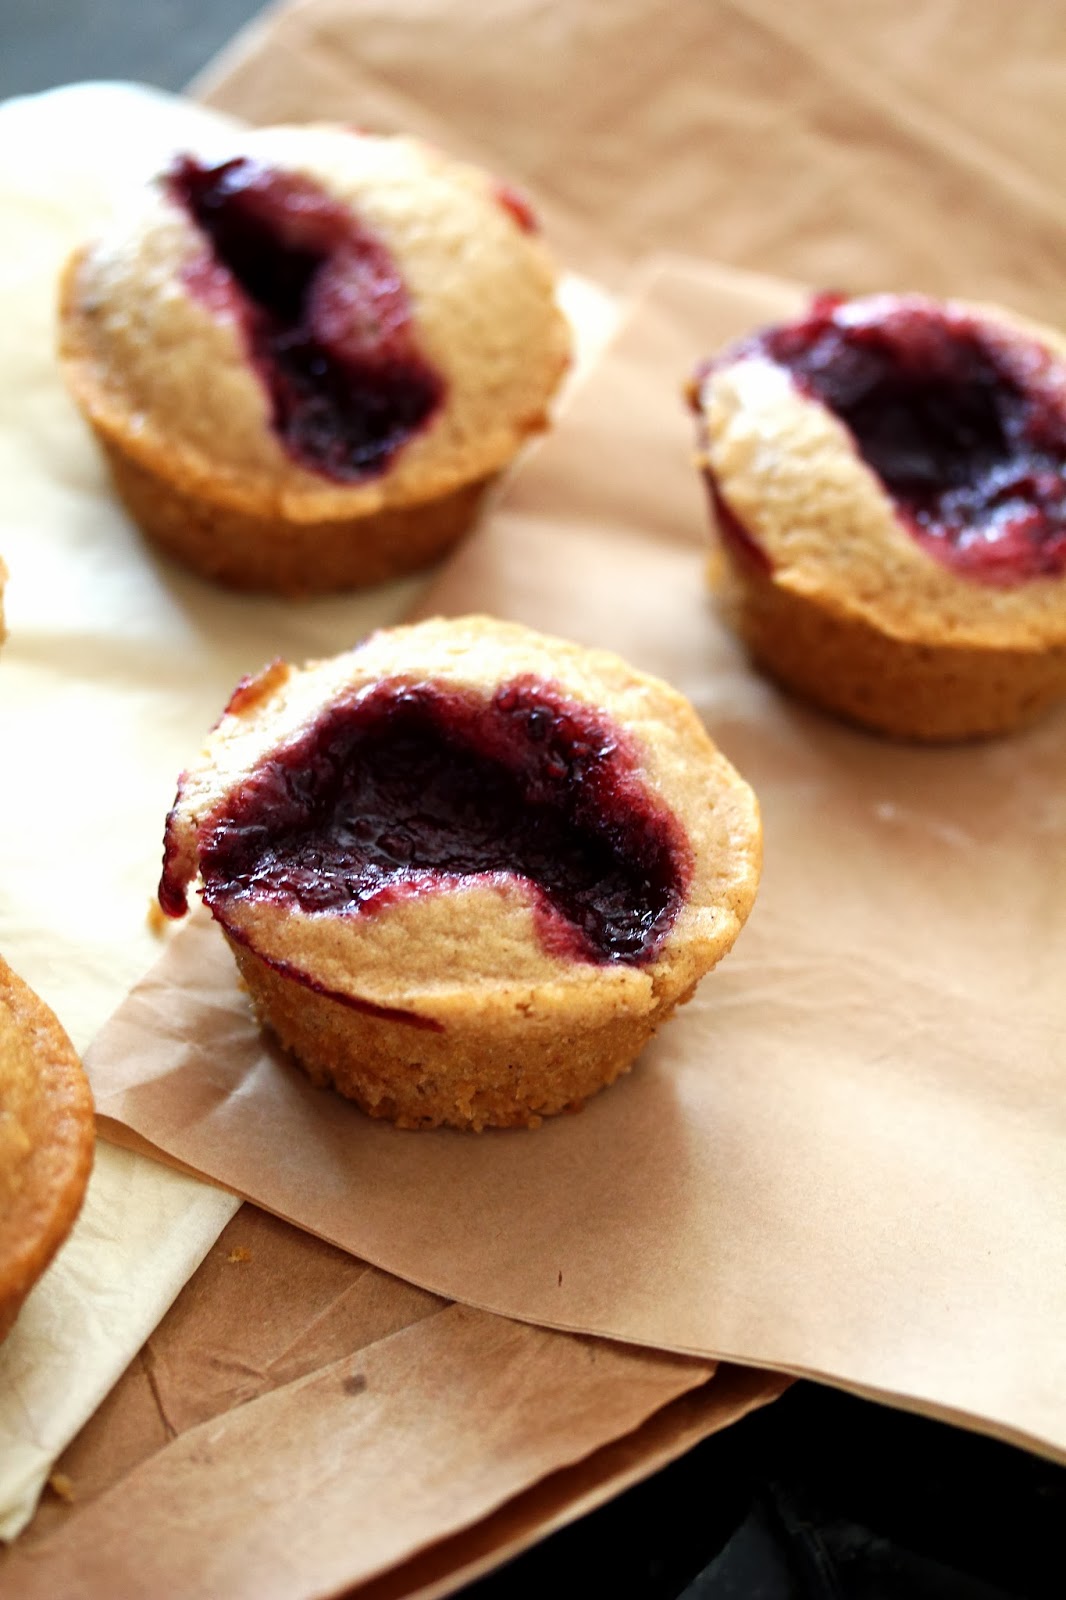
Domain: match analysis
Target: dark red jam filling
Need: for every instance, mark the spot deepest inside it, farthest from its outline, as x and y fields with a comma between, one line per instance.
x=324, y=312
x=514, y=201
x=964, y=424
x=733, y=533
x=404, y=790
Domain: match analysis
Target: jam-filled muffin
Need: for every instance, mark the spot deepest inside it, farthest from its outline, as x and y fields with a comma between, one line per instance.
x=466, y=870
x=306, y=358
x=889, y=481
x=46, y=1140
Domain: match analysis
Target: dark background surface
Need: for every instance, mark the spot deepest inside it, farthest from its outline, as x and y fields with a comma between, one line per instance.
x=821, y=1495
x=163, y=42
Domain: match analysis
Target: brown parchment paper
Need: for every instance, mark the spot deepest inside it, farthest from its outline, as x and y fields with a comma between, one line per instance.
x=892, y=144
x=844, y=1156
x=299, y=1422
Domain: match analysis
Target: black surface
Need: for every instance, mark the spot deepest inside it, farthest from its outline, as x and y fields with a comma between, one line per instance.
x=162, y=42
x=818, y=1497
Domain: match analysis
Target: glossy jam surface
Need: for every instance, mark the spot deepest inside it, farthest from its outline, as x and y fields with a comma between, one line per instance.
x=964, y=423
x=323, y=309
x=407, y=789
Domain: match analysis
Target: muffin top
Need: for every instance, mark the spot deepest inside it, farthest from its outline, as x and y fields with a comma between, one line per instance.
x=468, y=807
x=317, y=322
x=46, y=1140
x=903, y=459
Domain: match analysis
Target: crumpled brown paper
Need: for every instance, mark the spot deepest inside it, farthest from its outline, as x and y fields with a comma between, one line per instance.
x=141, y=1234
x=885, y=145
x=300, y=1422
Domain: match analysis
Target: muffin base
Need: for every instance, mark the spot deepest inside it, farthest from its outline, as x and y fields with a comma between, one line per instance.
x=245, y=550
x=500, y=1069
x=929, y=692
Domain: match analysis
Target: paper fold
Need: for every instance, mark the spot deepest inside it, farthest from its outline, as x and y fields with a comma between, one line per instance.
x=141, y=1235
x=846, y=146
x=300, y=1421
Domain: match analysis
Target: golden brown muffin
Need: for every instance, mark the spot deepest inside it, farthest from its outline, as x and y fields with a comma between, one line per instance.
x=307, y=358
x=466, y=869
x=889, y=480
x=46, y=1140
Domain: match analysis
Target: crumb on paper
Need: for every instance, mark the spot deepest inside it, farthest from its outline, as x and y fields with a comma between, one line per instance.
x=156, y=919
x=239, y=1253
x=62, y=1486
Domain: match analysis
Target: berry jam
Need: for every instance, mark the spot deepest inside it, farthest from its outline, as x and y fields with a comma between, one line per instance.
x=733, y=533
x=964, y=424
x=517, y=206
x=323, y=310
x=404, y=789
